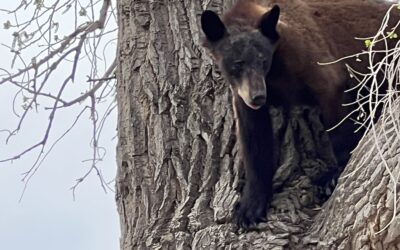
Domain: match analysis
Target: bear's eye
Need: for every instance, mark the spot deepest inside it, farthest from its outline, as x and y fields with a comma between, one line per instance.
x=237, y=66
x=265, y=63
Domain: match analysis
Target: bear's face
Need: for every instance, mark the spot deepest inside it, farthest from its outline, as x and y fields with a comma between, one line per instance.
x=244, y=58
x=245, y=61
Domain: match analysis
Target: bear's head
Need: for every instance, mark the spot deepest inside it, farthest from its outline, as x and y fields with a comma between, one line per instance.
x=244, y=57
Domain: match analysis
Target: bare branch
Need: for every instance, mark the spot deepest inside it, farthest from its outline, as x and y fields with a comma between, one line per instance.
x=383, y=73
x=33, y=80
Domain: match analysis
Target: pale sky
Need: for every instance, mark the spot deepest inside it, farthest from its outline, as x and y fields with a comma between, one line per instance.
x=48, y=218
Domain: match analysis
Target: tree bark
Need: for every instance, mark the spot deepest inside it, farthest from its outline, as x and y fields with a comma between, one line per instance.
x=179, y=173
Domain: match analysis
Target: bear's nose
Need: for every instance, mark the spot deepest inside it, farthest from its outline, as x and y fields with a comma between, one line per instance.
x=258, y=100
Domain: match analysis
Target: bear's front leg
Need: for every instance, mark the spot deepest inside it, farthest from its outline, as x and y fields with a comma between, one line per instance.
x=256, y=148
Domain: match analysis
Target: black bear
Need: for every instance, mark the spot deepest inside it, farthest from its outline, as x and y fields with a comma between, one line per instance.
x=270, y=58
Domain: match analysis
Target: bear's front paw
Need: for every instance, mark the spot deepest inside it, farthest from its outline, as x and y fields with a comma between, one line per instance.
x=250, y=210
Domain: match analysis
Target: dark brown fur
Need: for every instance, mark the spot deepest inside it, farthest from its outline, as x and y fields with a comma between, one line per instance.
x=312, y=32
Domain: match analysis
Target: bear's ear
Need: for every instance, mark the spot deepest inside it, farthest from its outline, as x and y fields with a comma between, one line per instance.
x=212, y=26
x=268, y=22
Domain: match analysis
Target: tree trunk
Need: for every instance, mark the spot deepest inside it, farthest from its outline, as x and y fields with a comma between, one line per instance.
x=179, y=173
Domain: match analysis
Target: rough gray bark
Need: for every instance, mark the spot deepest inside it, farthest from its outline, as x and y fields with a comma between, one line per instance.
x=179, y=173
x=359, y=213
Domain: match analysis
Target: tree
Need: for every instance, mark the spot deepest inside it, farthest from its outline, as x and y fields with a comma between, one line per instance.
x=178, y=169
x=179, y=173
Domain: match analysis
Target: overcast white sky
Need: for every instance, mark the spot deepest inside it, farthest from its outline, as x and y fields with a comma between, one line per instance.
x=48, y=218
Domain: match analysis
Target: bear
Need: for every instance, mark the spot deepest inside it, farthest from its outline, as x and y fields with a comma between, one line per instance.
x=269, y=54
